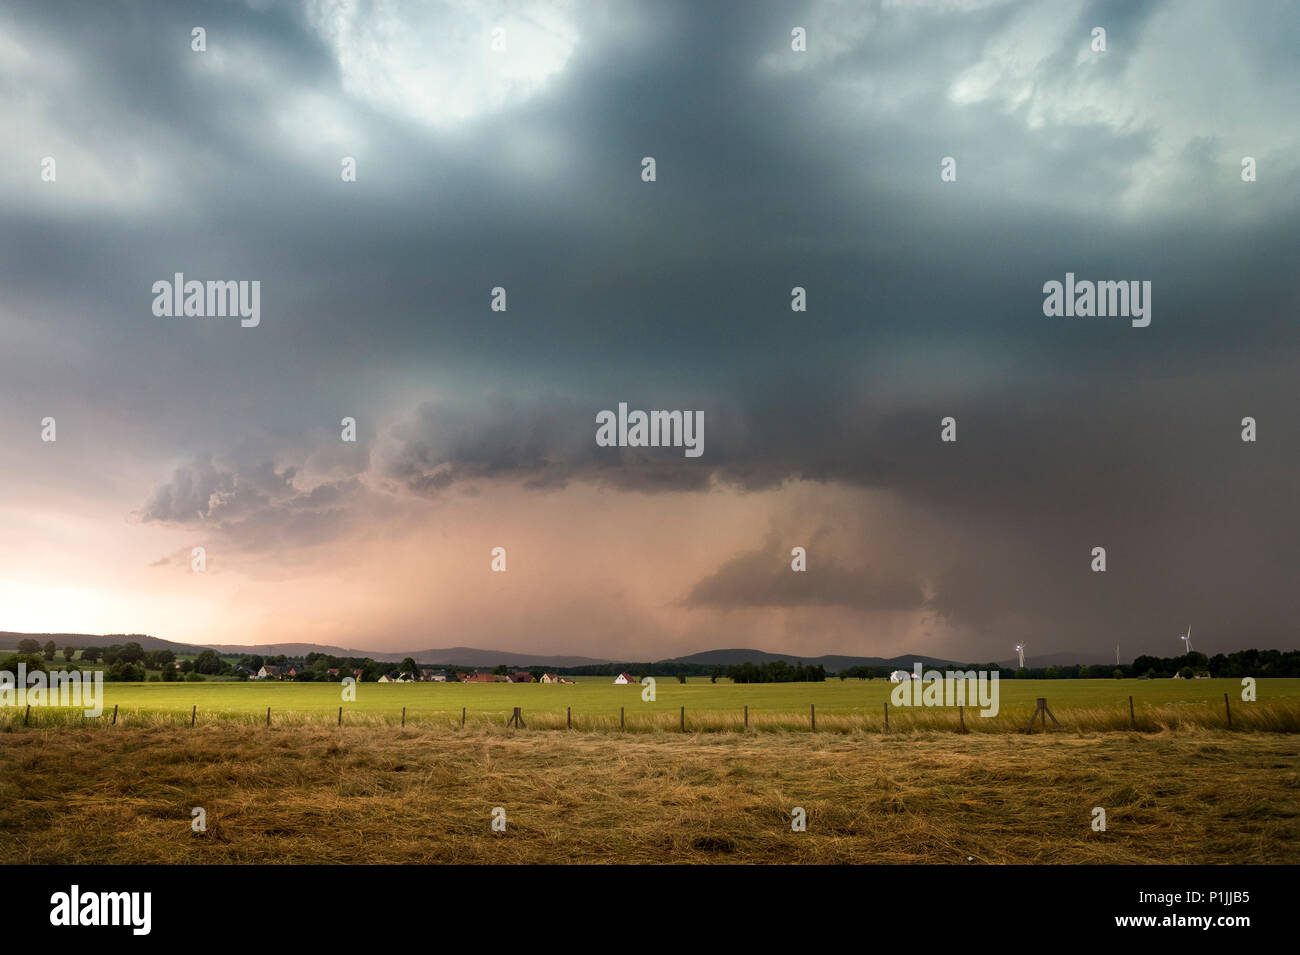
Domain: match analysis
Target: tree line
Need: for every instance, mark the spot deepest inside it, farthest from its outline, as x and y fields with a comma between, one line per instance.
x=129, y=662
x=776, y=671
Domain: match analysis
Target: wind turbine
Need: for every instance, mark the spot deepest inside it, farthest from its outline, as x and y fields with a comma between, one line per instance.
x=1117, y=654
x=1020, y=649
x=1187, y=638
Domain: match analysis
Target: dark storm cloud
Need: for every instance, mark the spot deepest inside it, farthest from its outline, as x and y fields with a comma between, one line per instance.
x=542, y=444
x=764, y=578
x=924, y=298
x=253, y=506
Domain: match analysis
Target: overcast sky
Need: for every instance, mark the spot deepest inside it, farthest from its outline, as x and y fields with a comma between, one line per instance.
x=775, y=168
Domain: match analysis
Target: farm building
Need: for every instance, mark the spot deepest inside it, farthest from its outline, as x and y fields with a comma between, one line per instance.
x=268, y=673
x=521, y=677
x=549, y=678
x=430, y=675
x=624, y=678
x=483, y=678
x=898, y=676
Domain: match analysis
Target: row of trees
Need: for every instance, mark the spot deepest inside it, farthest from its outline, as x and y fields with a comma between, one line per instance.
x=117, y=653
x=1256, y=663
x=776, y=671
x=317, y=668
x=125, y=663
x=34, y=648
x=131, y=662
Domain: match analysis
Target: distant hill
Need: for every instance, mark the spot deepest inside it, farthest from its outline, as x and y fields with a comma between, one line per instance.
x=479, y=657
x=293, y=650
x=833, y=663
x=9, y=639
x=464, y=656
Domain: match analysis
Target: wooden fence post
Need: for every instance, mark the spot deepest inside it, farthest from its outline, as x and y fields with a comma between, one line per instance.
x=620, y=719
x=1228, y=708
x=568, y=718
x=462, y=717
x=268, y=716
x=27, y=715
x=814, y=717
x=403, y=717
x=961, y=718
x=114, y=714
x=1042, y=708
x=1132, y=720
x=886, y=717
x=340, y=716
x=194, y=714
x=746, y=717
x=683, y=719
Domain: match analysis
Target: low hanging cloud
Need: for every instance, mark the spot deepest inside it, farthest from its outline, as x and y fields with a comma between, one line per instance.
x=255, y=507
x=542, y=444
x=764, y=578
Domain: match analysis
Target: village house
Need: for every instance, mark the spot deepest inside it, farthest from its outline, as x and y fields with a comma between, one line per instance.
x=269, y=672
x=521, y=677
x=483, y=678
x=624, y=678
x=549, y=678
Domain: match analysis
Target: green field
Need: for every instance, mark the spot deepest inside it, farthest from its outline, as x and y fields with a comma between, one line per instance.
x=842, y=706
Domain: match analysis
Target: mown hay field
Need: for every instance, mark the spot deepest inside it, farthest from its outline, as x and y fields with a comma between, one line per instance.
x=371, y=794
x=841, y=706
